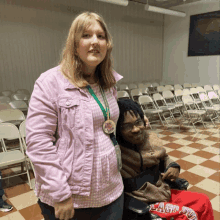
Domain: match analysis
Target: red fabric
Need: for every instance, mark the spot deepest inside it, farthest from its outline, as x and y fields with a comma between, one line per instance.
x=184, y=205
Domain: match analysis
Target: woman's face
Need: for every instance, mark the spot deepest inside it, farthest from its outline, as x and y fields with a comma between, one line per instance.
x=92, y=47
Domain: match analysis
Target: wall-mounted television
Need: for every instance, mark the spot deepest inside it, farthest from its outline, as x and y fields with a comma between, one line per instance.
x=204, y=34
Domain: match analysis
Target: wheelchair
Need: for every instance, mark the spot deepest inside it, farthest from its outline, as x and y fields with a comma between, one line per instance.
x=135, y=209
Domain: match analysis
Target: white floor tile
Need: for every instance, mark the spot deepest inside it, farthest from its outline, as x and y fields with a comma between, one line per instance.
x=211, y=149
x=177, y=135
x=216, y=203
x=206, y=142
x=24, y=200
x=188, y=150
x=182, y=142
x=209, y=185
x=202, y=171
x=194, y=159
x=216, y=158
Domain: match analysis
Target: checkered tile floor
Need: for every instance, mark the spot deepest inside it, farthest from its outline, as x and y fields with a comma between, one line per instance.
x=197, y=153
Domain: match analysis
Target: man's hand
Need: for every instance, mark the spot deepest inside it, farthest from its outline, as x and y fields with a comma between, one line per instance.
x=64, y=210
x=146, y=120
x=171, y=174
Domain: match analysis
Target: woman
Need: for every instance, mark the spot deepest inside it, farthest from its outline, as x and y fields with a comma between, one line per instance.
x=143, y=159
x=69, y=129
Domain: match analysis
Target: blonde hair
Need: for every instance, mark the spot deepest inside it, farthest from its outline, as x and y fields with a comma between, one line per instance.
x=71, y=64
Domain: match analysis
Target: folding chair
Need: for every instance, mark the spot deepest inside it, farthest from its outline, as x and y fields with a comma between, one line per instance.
x=149, y=108
x=212, y=112
x=135, y=93
x=123, y=95
x=161, y=104
x=132, y=86
x=191, y=113
x=208, y=88
x=178, y=94
x=195, y=95
x=7, y=93
x=4, y=99
x=141, y=85
x=144, y=91
x=160, y=89
x=14, y=116
x=171, y=101
x=194, y=85
x=177, y=86
x=22, y=130
x=8, y=158
x=124, y=87
x=214, y=98
x=151, y=89
x=19, y=104
x=187, y=85
x=19, y=96
x=4, y=106
x=23, y=91
x=216, y=87
x=169, y=88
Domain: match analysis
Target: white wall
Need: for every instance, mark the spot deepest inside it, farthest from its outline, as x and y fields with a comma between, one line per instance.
x=177, y=66
x=33, y=34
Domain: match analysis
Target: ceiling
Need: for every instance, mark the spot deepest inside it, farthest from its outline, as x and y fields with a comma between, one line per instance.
x=165, y=3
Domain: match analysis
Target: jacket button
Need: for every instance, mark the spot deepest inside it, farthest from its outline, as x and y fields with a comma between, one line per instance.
x=67, y=103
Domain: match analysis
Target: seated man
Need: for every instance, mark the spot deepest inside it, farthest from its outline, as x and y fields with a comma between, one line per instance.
x=142, y=158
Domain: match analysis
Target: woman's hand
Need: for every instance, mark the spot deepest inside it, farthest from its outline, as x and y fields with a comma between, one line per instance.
x=64, y=210
x=171, y=174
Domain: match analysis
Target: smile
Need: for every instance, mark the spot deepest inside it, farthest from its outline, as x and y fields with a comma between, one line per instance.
x=94, y=51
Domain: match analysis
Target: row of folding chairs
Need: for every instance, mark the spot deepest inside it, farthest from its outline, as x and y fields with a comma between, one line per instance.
x=14, y=97
x=167, y=102
x=14, y=156
x=154, y=88
x=9, y=93
x=18, y=104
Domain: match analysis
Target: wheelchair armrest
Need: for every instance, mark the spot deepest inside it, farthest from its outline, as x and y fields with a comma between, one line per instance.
x=135, y=205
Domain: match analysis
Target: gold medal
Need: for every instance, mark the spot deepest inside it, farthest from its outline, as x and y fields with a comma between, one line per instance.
x=109, y=126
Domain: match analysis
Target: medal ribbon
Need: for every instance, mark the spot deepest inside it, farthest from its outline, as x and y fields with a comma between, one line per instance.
x=105, y=112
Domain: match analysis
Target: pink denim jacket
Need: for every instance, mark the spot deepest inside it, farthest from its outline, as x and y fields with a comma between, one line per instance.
x=56, y=108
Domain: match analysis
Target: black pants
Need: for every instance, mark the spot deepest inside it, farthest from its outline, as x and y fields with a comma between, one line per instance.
x=112, y=211
x=1, y=190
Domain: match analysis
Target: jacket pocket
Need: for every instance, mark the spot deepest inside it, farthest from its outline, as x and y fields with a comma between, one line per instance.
x=68, y=108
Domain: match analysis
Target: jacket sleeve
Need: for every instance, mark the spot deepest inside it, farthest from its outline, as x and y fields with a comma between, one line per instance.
x=41, y=124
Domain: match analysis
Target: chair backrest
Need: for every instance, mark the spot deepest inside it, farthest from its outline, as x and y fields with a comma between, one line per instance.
x=168, y=87
x=144, y=90
x=177, y=86
x=18, y=104
x=187, y=85
x=11, y=114
x=4, y=106
x=160, y=88
x=186, y=92
x=178, y=92
x=155, y=84
x=213, y=95
x=122, y=94
x=194, y=85
x=10, y=131
x=200, y=89
x=167, y=94
x=136, y=92
x=22, y=128
x=157, y=97
x=141, y=85
x=208, y=87
x=4, y=99
x=187, y=99
x=20, y=96
x=216, y=87
x=23, y=91
x=124, y=87
x=132, y=86
x=7, y=93
x=144, y=99
x=193, y=90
